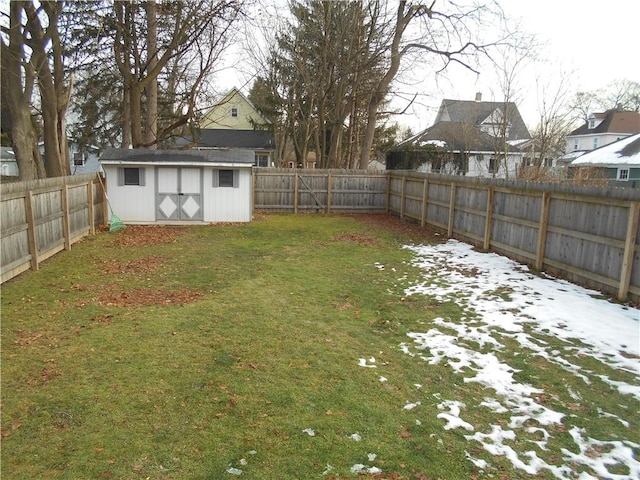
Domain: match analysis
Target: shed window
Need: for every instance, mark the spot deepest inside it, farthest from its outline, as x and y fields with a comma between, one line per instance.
x=234, y=112
x=131, y=176
x=78, y=159
x=226, y=178
x=623, y=174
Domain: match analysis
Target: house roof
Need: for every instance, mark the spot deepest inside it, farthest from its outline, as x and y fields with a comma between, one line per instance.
x=622, y=152
x=223, y=157
x=224, y=138
x=457, y=136
x=477, y=112
x=613, y=121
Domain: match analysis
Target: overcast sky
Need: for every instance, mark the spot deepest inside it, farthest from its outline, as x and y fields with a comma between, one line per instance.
x=588, y=45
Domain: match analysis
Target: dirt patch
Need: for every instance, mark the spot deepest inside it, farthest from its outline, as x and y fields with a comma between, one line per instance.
x=140, y=265
x=355, y=238
x=144, y=297
x=401, y=227
x=145, y=235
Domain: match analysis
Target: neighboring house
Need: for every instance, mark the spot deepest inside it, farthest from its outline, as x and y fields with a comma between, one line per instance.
x=619, y=161
x=86, y=160
x=602, y=129
x=8, y=163
x=473, y=138
x=179, y=186
x=235, y=123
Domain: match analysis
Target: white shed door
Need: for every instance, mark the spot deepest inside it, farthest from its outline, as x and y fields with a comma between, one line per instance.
x=179, y=193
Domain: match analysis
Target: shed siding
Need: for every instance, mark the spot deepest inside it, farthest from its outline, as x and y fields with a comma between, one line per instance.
x=227, y=204
x=132, y=203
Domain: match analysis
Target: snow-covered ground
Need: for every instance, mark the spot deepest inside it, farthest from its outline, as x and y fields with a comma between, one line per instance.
x=503, y=300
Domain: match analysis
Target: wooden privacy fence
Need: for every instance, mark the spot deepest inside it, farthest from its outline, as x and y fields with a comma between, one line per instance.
x=588, y=235
x=40, y=218
x=291, y=190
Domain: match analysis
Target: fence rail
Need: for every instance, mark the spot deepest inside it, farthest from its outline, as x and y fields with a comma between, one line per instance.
x=41, y=218
x=588, y=235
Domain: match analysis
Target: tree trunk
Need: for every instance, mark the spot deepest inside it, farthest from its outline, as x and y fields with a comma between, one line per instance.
x=17, y=81
x=151, y=90
x=382, y=88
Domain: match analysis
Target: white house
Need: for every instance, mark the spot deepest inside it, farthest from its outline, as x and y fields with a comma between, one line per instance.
x=179, y=186
x=473, y=138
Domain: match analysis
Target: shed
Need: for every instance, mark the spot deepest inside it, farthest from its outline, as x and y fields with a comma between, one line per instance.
x=179, y=186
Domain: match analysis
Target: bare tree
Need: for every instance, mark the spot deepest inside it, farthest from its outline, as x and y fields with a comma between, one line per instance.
x=444, y=33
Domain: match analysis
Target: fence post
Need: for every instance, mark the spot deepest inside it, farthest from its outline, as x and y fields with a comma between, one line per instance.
x=295, y=192
x=31, y=229
x=425, y=202
x=402, y=195
x=92, y=220
x=388, y=197
x=629, y=250
x=105, y=202
x=486, y=245
x=65, y=217
x=329, y=192
x=542, y=230
x=452, y=205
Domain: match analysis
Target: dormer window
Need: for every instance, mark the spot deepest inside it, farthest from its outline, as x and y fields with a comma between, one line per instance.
x=234, y=112
x=592, y=123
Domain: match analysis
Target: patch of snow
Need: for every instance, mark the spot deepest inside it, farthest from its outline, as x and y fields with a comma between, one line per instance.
x=476, y=461
x=309, y=431
x=411, y=406
x=382, y=379
x=355, y=436
x=234, y=471
x=363, y=363
x=453, y=416
x=371, y=456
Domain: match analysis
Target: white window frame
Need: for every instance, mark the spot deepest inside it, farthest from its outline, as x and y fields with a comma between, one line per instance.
x=576, y=144
x=595, y=142
x=623, y=174
x=78, y=159
x=234, y=112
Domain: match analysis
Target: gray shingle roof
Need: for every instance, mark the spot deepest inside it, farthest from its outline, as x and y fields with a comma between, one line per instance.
x=176, y=157
x=474, y=113
x=224, y=138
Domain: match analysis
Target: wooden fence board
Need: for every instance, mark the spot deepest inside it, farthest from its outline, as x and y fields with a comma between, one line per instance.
x=43, y=217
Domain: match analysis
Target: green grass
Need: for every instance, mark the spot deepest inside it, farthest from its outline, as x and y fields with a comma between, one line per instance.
x=287, y=306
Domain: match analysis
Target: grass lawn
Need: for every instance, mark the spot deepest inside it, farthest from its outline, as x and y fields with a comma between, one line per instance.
x=207, y=352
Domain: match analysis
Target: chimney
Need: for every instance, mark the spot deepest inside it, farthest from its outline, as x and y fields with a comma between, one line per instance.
x=478, y=96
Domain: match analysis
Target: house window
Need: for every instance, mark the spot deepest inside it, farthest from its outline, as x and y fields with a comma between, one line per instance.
x=493, y=165
x=78, y=159
x=261, y=160
x=131, y=176
x=234, y=112
x=576, y=144
x=623, y=174
x=226, y=178
x=595, y=143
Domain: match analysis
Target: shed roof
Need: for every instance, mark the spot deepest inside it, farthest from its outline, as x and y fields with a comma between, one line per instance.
x=622, y=152
x=211, y=156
